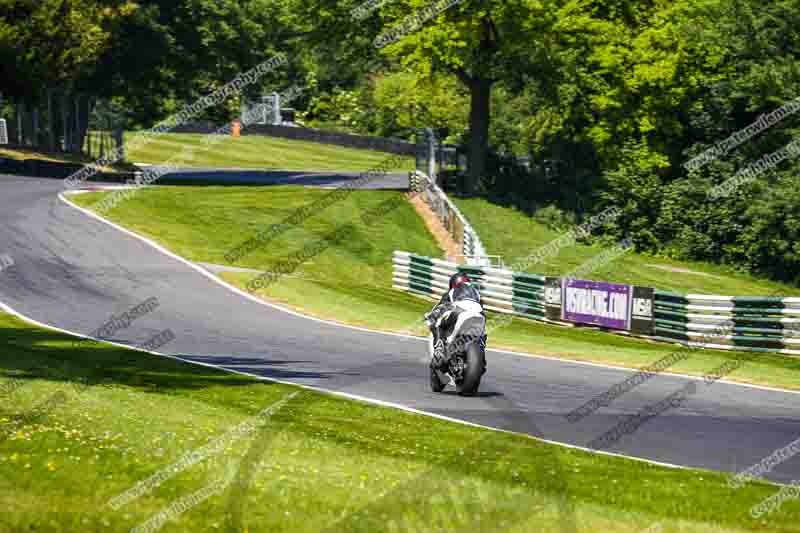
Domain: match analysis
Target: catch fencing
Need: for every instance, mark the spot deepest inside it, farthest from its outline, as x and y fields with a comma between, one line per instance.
x=768, y=324
x=265, y=111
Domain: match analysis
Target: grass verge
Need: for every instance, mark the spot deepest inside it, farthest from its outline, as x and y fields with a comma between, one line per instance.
x=514, y=235
x=350, y=282
x=258, y=152
x=319, y=463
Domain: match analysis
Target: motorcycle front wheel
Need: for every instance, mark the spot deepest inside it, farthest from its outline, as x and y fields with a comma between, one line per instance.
x=474, y=366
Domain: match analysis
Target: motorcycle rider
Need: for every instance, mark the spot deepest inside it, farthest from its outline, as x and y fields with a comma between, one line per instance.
x=445, y=313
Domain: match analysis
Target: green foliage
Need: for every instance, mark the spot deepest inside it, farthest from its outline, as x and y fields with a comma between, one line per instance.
x=55, y=42
x=393, y=104
x=636, y=188
x=554, y=218
x=152, y=57
x=637, y=90
x=340, y=108
x=756, y=228
x=405, y=100
x=609, y=98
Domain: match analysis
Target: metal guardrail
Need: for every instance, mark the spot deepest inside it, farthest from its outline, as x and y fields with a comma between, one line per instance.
x=451, y=217
x=756, y=324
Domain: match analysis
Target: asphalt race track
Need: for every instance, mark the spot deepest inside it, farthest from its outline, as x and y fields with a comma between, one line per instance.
x=74, y=272
x=391, y=180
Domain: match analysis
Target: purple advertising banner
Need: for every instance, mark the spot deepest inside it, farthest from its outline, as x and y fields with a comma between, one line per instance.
x=607, y=305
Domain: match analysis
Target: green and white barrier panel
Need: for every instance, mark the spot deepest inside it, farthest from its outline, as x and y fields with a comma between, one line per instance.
x=502, y=290
x=768, y=324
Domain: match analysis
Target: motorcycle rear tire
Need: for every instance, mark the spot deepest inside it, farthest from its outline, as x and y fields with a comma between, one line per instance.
x=475, y=364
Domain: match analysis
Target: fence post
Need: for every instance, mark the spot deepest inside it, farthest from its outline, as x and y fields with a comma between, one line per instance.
x=431, y=154
x=64, y=124
x=276, y=109
x=3, y=124
x=440, y=156
x=20, y=110
x=76, y=131
x=419, y=150
x=51, y=137
x=89, y=130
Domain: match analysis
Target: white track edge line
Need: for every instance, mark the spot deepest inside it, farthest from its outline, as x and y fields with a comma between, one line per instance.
x=250, y=297
x=224, y=283
x=350, y=396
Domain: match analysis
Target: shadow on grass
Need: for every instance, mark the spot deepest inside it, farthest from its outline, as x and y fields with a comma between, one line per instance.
x=224, y=177
x=31, y=354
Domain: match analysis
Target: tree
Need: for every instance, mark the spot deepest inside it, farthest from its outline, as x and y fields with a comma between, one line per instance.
x=482, y=43
x=172, y=52
x=54, y=42
x=55, y=45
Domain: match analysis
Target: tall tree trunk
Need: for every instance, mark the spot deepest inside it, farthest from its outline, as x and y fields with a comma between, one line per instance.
x=36, y=127
x=64, y=124
x=82, y=107
x=76, y=127
x=20, y=131
x=480, y=93
x=51, y=122
x=89, y=107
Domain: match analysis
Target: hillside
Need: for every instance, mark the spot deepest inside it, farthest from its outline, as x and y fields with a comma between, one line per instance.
x=514, y=235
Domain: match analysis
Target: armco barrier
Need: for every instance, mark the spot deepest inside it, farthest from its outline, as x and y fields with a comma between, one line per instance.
x=450, y=216
x=768, y=324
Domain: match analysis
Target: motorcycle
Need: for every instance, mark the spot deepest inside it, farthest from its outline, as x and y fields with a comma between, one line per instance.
x=464, y=350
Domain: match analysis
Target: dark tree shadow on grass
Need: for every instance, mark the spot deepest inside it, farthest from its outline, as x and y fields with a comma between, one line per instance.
x=32, y=354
